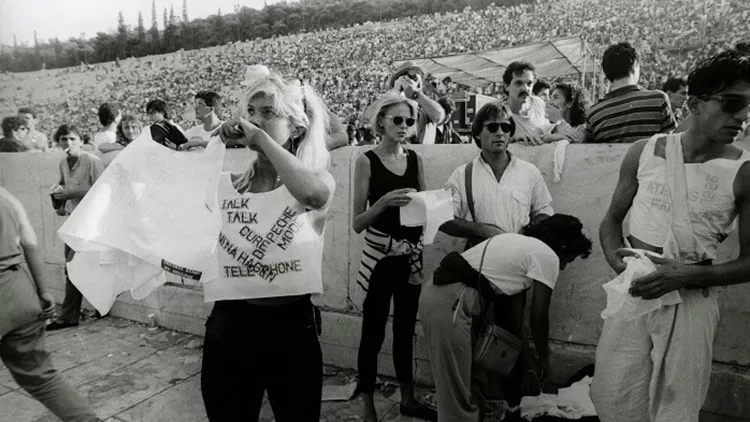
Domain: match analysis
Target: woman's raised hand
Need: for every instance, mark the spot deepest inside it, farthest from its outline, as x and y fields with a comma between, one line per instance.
x=237, y=131
x=396, y=198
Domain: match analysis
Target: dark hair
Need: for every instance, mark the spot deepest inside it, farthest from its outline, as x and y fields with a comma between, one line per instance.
x=563, y=234
x=718, y=73
x=619, y=61
x=489, y=111
x=27, y=110
x=579, y=102
x=67, y=130
x=107, y=113
x=212, y=99
x=673, y=84
x=515, y=68
x=159, y=106
x=12, y=123
x=540, y=85
x=120, y=134
x=447, y=80
x=743, y=48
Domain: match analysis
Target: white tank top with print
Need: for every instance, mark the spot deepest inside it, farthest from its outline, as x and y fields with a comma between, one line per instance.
x=267, y=247
x=711, y=200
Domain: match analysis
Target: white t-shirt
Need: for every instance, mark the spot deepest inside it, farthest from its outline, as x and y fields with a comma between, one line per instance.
x=103, y=138
x=514, y=261
x=199, y=132
x=532, y=120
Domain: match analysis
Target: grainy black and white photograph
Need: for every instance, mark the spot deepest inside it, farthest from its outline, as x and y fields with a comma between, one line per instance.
x=375, y=211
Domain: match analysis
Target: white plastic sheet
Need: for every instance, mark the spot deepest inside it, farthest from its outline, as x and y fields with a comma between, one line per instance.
x=429, y=209
x=620, y=304
x=152, y=210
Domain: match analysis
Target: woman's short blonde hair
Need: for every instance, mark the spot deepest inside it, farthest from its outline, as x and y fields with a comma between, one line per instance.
x=383, y=103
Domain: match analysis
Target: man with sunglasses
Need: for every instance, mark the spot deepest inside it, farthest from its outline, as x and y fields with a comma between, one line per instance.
x=15, y=132
x=658, y=367
x=409, y=80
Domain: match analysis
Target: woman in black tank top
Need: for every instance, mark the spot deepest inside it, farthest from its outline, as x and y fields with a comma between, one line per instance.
x=383, y=177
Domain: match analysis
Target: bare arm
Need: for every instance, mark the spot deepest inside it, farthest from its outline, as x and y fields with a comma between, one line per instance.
x=610, y=229
x=431, y=108
x=539, y=321
x=311, y=188
x=363, y=216
x=458, y=227
x=29, y=244
x=110, y=146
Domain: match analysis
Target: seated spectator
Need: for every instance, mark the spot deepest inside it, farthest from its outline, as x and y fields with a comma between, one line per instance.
x=648, y=113
x=676, y=90
x=128, y=129
x=207, y=105
x=541, y=89
x=15, y=132
x=36, y=141
x=163, y=130
x=109, y=117
x=572, y=102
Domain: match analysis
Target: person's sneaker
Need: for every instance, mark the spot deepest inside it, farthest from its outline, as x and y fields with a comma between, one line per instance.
x=419, y=411
x=59, y=325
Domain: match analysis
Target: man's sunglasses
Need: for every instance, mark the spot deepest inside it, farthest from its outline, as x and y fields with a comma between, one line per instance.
x=730, y=105
x=397, y=120
x=504, y=126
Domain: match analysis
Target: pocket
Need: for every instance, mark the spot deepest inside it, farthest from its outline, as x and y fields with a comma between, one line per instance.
x=523, y=198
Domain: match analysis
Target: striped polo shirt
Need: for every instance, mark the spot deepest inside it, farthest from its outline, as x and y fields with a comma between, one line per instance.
x=629, y=114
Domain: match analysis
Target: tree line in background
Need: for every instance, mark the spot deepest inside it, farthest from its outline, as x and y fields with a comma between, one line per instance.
x=179, y=32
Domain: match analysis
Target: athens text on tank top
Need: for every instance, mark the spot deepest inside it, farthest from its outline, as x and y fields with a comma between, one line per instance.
x=711, y=200
x=267, y=247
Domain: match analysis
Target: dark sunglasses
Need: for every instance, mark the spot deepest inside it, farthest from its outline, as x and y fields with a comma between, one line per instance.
x=397, y=120
x=504, y=126
x=730, y=105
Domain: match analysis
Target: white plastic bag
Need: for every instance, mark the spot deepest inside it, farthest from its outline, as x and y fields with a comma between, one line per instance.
x=152, y=210
x=620, y=304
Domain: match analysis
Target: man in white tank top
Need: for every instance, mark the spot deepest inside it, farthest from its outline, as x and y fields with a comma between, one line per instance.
x=658, y=367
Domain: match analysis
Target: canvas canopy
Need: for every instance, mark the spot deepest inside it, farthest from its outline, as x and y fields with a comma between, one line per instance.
x=552, y=59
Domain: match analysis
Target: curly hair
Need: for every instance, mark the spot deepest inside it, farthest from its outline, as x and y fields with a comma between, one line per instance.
x=11, y=124
x=619, y=61
x=563, y=234
x=718, y=73
x=578, y=98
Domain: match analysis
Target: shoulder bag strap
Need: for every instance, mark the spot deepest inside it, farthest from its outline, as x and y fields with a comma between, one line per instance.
x=469, y=190
x=482, y=308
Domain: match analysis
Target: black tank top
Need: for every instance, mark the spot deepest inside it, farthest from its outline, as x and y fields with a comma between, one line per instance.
x=383, y=181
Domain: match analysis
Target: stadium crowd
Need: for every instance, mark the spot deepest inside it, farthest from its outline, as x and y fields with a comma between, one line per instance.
x=350, y=66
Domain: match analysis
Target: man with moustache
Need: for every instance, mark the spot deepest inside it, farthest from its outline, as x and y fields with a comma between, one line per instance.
x=528, y=111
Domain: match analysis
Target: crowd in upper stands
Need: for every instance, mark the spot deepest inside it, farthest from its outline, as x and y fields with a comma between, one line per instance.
x=350, y=66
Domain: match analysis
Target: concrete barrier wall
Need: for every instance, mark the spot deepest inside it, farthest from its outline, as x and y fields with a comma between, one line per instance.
x=588, y=180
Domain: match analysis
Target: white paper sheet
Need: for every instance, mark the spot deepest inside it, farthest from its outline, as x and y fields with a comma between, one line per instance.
x=429, y=209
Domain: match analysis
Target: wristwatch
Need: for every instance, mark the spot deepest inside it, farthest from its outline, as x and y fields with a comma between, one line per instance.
x=415, y=95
